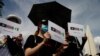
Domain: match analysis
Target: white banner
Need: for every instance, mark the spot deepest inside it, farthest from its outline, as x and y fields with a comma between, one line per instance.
x=9, y=28
x=57, y=33
x=76, y=30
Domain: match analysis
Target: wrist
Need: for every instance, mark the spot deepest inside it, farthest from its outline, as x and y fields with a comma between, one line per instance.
x=41, y=43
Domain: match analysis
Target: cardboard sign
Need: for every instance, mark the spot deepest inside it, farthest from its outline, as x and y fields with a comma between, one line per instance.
x=76, y=30
x=57, y=33
x=9, y=28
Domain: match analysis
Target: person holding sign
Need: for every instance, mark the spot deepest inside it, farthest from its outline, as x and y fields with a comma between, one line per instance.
x=72, y=47
x=38, y=44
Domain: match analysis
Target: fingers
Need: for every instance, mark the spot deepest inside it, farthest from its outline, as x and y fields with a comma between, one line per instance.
x=47, y=35
x=45, y=39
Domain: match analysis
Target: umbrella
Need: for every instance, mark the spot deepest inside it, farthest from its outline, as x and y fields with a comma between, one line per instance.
x=52, y=11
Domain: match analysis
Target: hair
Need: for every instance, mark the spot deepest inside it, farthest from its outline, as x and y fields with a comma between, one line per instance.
x=38, y=28
x=37, y=32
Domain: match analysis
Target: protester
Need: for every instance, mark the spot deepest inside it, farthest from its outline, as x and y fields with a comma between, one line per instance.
x=72, y=47
x=3, y=47
x=18, y=40
x=13, y=48
x=39, y=43
x=2, y=41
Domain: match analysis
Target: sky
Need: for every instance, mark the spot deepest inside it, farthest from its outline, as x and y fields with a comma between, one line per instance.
x=85, y=12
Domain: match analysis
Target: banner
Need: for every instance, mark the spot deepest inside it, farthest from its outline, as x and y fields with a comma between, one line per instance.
x=9, y=28
x=57, y=33
x=76, y=30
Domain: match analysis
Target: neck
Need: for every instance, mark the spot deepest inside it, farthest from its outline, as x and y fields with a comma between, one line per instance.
x=40, y=34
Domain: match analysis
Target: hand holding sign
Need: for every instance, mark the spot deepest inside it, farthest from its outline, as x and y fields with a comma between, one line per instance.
x=47, y=35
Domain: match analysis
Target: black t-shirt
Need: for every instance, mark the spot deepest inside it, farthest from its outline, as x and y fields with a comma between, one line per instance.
x=46, y=50
x=72, y=49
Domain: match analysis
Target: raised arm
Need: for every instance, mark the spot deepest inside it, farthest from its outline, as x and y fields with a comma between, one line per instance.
x=30, y=51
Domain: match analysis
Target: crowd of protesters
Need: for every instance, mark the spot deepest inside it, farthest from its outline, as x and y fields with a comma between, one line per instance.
x=14, y=45
x=41, y=44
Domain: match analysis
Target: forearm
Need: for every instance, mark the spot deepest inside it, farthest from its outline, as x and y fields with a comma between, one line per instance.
x=30, y=51
x=57, y=53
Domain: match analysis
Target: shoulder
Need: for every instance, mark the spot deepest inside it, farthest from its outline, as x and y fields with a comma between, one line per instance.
x=29, y=42
x=30, y=37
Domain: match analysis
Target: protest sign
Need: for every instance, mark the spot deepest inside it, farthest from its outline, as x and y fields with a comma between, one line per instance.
x=57, y=33
x=76, y=30
x=9, y=28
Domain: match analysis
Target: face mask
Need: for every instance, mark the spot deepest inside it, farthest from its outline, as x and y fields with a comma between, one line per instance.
x=44, y=28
